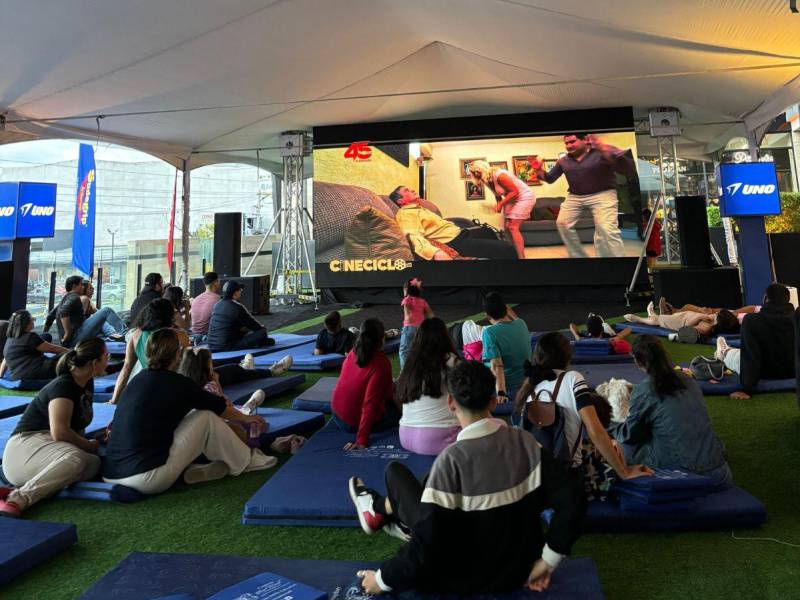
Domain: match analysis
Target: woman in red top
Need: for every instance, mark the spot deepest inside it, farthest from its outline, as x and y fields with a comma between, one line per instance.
x=654, y=241
x=362, y=399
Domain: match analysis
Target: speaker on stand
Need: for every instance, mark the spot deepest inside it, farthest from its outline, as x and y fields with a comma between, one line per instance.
x=693, y=232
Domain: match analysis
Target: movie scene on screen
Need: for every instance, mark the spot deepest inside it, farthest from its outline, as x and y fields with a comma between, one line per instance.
x=522, y=198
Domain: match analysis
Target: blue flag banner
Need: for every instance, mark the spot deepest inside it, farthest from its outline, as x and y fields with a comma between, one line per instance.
x=83, y=229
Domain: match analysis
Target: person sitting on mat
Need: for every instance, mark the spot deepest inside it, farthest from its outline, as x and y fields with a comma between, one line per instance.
x=165, y=421
x=232, y=327
x=668, y=424
x=691, y=326
x=23, y=354
x=551, y=358
x=158, y=314
x=153, y=289
x=435, y=238
x=204, y=304
x=73, y=326
x=596, y=328
x=108, y=332
x=47, y=450
x=427, y=426
x=334, y=339
x=362, y=399
x=415, y=309
x=472, y=527
x=183, y=314
x=506, y=346
x=768, y=343
x=472, y=339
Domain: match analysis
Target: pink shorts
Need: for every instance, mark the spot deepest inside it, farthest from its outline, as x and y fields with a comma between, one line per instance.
x=427, y=440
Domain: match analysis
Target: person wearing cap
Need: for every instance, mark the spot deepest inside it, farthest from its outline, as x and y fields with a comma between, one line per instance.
x=231, y=326
x=597, y=328
x=153, y=288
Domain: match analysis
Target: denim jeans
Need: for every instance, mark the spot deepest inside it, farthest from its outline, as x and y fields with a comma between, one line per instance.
x=93, y=326
x=406, y=337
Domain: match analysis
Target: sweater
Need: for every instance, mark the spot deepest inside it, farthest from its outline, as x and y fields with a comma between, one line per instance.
x=767, y=345
x=229, y=322
x=478, y=530
x=360, y=396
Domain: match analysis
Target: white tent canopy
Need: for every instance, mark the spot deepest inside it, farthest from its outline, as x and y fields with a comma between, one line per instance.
x=214, y=79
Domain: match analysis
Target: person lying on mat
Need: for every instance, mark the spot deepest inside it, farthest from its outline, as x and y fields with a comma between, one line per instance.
x=471, y=527
x=152, y=290
x=551, y=359
x=165, y=421
x=362, y=400
x=23, y=354
x=665, y=308
x=232, y=327
x=204, y=304
x=768, y=342
x=47, y=450
x=158, y=314
x=668, y=424
x=506, y=346
x=73, y=325
x=596, y=328
x=704, y=325
x=435, y=238
x=427, y=426
x=182, y=305
x=334, y=339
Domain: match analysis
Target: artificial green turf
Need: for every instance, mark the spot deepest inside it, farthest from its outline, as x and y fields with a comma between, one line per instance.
x=761, y=435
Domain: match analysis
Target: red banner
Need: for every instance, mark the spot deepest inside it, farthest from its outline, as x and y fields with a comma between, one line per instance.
x=171, y=236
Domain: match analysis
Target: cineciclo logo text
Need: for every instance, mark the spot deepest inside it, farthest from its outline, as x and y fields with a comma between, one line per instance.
x=36, y=211
x=750, y=189
x=369, y=264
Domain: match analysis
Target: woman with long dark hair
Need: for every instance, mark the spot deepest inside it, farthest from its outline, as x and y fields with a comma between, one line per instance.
x=427, y=426
x=48, y=451
x=23, y=355
x=362, y=399
x=182, y=306
x=668, y=425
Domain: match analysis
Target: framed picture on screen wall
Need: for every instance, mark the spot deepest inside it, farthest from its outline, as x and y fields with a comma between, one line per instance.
x=500, y=164
x=474, y=192
x=524, y=169
x=463, y=165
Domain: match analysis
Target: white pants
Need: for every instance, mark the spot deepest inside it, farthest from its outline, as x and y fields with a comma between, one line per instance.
x=604, y=207
x=41, y=467
x=200, y=432
x=732, y=359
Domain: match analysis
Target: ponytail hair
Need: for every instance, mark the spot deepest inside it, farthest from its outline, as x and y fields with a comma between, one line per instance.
x=649, y=353
x=369, y=341
x=81, y=355
x=413, y=287
x=196, y=365
x=18, y=323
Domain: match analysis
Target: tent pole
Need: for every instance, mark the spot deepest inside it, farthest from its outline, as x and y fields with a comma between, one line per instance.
x=185, y=222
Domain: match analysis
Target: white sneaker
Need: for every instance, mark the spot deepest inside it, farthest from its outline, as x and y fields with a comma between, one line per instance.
x=355, y=330
x=651, y=309
x=722, y=348
x=260, y=461
x=609, y=329
x=257, y=399
x=248, y=362
x=672, y=337
x=212, y=471
x=364, y=500
x=281, y=366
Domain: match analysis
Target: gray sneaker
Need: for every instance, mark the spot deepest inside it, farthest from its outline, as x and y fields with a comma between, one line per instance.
x=195, y=473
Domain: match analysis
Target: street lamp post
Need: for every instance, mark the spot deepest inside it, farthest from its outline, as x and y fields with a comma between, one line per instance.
x=113, y=233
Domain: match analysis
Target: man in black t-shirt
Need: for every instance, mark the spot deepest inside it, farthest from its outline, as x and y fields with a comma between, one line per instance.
x=153, y=288
x=231, y=326
x=73, y=326
x=334, y=339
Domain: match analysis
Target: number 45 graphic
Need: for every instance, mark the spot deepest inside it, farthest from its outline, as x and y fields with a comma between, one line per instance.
x=358, y=151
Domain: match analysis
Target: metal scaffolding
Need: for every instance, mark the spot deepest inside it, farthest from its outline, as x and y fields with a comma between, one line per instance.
x=668, y=169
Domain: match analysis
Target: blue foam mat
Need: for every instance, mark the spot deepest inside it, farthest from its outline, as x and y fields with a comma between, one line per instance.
x=239, y=393
x=105, y=384
x=733, y=339
x=731, y=383
x=155, y=575
x=283, y=341
x=731, y=508
x=23, y=385
x=287, y=422
x=25, y=544
x=116, y=348
x=578, y=359
x=304, y=359
x=311, y=488
x=13, y=405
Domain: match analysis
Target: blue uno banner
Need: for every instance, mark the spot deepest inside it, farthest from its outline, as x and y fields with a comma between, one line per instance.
x=8, y=210
x=749, y=190
x=36, y=210
x=83, y=229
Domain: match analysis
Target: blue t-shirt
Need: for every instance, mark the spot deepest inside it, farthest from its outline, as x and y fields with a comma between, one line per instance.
x=511, y=342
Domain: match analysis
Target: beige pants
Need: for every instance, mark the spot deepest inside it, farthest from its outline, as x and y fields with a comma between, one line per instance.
x=604, y=207
x=200, y=432
x=41, y=467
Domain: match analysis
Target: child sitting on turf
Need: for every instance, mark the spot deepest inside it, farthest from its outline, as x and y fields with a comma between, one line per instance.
x=362, y=400
x=334, y=339
x=415, y=309
x=472, y=527
x=596, y=328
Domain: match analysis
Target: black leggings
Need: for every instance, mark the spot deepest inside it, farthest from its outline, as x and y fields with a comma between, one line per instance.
x=404, y=491
x=475, y=243
x=230, y=374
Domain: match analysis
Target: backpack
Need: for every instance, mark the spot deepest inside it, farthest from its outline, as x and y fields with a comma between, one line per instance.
x=457, y=335
x=704, y=369
x=548, y=422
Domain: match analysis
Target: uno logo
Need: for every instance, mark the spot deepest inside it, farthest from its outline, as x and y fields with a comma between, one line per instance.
x=36, y=211
x=358, y=151
x=751, y=189
x=6, y=211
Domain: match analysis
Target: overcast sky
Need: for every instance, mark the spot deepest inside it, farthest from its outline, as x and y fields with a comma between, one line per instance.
x=53, y=151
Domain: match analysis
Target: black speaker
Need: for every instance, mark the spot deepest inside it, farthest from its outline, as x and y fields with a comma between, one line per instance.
x=693, y=232
x=255, y=295
x=228, y=244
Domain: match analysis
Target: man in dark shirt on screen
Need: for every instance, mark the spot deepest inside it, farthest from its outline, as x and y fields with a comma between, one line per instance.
x=590, y=168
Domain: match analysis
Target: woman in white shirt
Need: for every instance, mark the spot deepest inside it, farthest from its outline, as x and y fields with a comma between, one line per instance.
x=427, y=426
